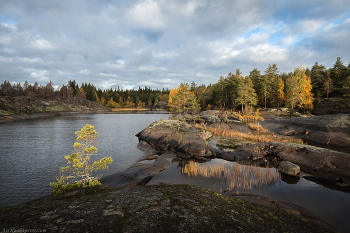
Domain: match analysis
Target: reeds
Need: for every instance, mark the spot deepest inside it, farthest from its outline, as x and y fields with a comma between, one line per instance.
x=261, y=135
x=237, y=176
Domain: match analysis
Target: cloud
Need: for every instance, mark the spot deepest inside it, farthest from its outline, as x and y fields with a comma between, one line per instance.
x=161, y=43
x=146, y=15
x=84, y=71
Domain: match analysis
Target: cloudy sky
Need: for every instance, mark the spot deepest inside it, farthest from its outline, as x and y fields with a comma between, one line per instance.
x=163, y=43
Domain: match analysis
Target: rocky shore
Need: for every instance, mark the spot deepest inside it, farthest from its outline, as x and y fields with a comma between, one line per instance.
x=24, y=107
x=161, y=208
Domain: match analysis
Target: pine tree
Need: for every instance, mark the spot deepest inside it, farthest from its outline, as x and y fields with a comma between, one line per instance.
x=339, y=76
x=245, y=92
x=328, y=86
x=318, y=77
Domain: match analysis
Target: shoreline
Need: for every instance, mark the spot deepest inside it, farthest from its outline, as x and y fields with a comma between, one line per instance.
x=130, y=109
x=10, y=118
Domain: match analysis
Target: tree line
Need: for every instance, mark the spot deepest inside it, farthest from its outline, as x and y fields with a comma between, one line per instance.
x=274, y=89
x=269, y=89
x=113, y=98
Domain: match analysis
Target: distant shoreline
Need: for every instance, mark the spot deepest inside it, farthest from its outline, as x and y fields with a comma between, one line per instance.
x=134, y=109
x=10, y=118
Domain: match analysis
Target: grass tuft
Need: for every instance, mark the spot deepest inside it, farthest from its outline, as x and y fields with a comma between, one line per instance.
x=260, y=135
x=237, y=176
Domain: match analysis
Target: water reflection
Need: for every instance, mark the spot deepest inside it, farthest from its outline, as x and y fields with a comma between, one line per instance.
x=237, y=177
x=332, y=205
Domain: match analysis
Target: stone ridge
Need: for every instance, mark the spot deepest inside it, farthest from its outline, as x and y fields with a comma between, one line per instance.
x=163, y=208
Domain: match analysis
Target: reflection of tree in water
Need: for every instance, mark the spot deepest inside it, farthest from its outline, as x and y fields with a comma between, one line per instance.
x=235, y=176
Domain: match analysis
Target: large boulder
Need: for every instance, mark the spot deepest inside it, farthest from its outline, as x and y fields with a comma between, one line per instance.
x=177, y=136
x=289, y=168
x=210, y=116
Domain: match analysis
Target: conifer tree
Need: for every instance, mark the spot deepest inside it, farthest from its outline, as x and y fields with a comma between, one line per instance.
x=340, y=77
x=245, y=92
x=318, y=77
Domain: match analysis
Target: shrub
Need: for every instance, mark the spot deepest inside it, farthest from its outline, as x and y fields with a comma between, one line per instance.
x=78, y=165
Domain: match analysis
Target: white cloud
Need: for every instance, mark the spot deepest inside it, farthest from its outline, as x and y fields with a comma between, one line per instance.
x=200, y=75
x=28, y=60
x=311, y=25
x=6, y=59
x=107, y=75
x=40, y=75
x=116, y=64
x=147, y=15
x=165, y=54
x=42, y=44
x=151, y=68
x=5, y=40
x=84, y=72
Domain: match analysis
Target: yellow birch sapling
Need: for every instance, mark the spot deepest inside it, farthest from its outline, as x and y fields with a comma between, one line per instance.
x=78, y=164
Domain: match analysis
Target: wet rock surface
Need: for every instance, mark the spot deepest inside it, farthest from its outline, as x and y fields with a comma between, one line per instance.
x=139, y=173
x=149, y=150
x=177, y=136
x=162, y=208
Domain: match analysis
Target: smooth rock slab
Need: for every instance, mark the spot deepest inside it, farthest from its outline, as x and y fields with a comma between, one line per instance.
x=289, y=168
x=162, y=208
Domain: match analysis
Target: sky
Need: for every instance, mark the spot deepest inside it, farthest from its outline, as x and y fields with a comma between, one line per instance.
x=160, y=44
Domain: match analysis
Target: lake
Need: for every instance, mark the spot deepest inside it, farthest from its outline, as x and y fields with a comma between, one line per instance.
x=33, y=150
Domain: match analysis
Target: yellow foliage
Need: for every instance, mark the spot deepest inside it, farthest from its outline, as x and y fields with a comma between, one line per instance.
x=173, y=92
x=96, y=97
x=298, y=91
x=82, y=93
x=112, y=104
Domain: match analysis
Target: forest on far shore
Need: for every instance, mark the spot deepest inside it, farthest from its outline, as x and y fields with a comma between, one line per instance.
x=271, y=88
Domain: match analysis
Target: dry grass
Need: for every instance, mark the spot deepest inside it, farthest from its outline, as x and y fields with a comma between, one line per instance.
x=237, y=176
x=259, y=128
x=261, y=135
x=248, y=116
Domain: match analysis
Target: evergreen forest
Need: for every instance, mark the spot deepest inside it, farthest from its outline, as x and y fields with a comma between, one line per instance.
x=266, y=89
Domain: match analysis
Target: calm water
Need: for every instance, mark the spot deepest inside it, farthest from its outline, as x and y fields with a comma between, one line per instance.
x=31, y=151
x=332, y=205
